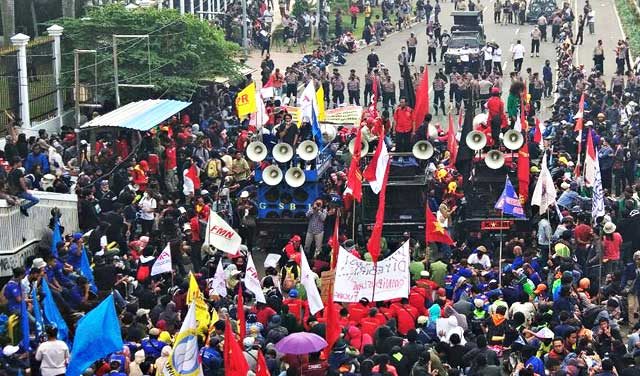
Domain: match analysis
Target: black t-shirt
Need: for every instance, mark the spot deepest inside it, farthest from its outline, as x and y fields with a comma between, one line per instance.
x=14, y=180
x=105, y=276
x=290, y=133
x=373, y=60
x=116, y=225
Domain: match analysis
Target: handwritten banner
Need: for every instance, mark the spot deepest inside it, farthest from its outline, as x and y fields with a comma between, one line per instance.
x=343, y=115
x=355, y=278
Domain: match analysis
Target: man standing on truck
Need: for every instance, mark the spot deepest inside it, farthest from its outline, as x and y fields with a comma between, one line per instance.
x=403, y=126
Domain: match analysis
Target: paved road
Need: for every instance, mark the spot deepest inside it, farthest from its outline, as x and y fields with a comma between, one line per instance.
x=607, y=29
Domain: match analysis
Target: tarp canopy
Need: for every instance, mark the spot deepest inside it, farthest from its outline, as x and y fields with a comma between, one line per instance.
x=141, y=115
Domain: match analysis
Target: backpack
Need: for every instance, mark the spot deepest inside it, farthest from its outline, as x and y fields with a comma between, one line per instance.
x=212, y=169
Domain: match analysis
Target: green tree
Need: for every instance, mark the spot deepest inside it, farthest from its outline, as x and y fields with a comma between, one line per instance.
x=183, y=50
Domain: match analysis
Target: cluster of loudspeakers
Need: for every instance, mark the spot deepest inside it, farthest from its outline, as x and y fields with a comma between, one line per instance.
x=284, y=201
x=476, y=141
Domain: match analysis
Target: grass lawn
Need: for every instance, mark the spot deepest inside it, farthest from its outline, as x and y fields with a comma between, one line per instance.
x=630, y=20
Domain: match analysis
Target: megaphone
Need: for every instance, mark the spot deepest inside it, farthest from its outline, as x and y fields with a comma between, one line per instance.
x=363, y=151
x=329, y=133
x=307, y=150
x=494, y=159
x=422, y=150
x=282, y=152
x=272, y=175
x=257, y=151
x=480, y=119
x=513, y=139
x=476, y=140
x=294, y=177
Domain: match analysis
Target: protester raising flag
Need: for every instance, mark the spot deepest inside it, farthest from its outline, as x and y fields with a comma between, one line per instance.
x=508, y=201
x=163, y=262
x=185, y=359
x=252, y=281
x=98, y=334
x=592, y=171
x=235, y=363
x=434, y=232
x=246, y=101
x=308, y=281
x=544, y=194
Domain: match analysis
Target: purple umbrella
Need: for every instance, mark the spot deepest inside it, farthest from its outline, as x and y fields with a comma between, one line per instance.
x=301, y=343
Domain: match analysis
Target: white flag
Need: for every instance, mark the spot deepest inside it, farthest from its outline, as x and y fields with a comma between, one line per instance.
x=544, y=194
x=217, y=285
x=252, y=282
x=308, y=101
x=163, y=262
x=308, y=281
x=221, y=236
x=185, y=359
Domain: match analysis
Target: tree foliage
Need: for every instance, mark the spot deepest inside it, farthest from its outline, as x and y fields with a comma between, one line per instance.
x=183, y=50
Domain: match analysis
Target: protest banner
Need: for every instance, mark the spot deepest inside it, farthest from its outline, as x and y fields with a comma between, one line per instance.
x=344, y=115
x=355, y=278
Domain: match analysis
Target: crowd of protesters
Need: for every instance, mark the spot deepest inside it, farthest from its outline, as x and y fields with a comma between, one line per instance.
x=565, y=301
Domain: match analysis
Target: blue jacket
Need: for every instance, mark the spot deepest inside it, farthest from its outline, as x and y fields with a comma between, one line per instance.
x=33, y=160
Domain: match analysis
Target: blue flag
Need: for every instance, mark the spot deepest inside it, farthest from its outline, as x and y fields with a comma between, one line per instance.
x=509, y=202
x=37, y=311
x=57, y=237
x=315, y=126
x=97, y=335
x=52, y=315
x=24, y=326
x=85, y=270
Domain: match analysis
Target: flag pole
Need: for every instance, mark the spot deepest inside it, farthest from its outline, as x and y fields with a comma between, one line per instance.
x=500, y=252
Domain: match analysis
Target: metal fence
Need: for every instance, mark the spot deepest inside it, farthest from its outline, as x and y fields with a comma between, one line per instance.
x=9, y=98
x=42, y=83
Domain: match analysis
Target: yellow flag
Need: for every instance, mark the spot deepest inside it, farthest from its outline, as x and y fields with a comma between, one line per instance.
x=202, y=309
x=320, y=100
x=214, y=317
x=246, y=101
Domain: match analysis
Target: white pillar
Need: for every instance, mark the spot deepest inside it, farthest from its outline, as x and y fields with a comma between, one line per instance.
x=192, y=6
x=159, y=4
x=209, y=15
x=170, y=4
x=56, y=32
x=181, y=6
x=201, y=9
x=20, y=41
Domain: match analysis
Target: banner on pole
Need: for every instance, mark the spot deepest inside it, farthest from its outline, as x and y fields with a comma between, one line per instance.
x=355, y=278
x=342, y=115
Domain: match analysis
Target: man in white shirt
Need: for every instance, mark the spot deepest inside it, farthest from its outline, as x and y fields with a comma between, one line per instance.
x=480, y=257
x=497, y=59
x=518, y=52
x=53, y=355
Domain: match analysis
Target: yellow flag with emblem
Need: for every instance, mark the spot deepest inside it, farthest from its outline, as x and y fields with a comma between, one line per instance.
x=202, y=309
x=246, y=101
x=320, y=101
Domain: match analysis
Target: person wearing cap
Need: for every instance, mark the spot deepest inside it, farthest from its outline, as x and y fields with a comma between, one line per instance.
x=611, y=247
x=480, y=257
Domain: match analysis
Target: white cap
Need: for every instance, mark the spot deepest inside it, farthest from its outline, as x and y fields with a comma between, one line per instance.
x=9, y=350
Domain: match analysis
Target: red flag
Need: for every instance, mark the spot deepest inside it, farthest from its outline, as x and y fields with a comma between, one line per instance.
x=354, y=179
x=537, y=134
x=332, y=332
x=374, y=89
x=435, y=233
x=523, y=172
x=234, y=362
x=422, y=99
x=373, y=245
x=334, y=242
x=261, y=368
x=270, y=82
x=242, y=323
x=580, y=118
x=452, y=143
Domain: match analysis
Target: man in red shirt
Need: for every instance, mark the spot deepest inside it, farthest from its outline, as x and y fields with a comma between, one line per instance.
x=170, y=168
x=403, y=127
x=357, y=311
x=496, y=117
x=406, y=315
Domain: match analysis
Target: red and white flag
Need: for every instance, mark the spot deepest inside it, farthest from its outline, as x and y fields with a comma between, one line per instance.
x=191, y=180
x=377, y=168
x=252, y=281
x=163, y=262
x=590, y=161
x=539, y=131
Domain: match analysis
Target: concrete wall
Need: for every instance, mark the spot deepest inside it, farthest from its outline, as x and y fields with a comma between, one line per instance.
x=19, y=235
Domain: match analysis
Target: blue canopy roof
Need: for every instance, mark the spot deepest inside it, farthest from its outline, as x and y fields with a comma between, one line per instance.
x=141, y=115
